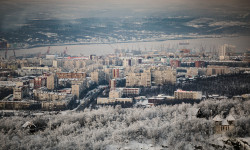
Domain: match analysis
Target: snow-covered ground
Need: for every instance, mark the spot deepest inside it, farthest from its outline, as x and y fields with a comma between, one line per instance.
x=162, y=127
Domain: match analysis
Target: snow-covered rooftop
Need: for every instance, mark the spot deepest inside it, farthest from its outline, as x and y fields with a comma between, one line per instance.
x=230, y=118
x=217, y=118
x=224, y=123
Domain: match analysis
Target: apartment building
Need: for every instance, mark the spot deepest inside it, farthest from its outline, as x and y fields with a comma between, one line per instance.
x=138, y=79
x=180, y=94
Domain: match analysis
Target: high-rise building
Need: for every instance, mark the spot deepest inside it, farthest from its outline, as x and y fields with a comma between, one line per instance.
x=76, y=90
x=52, y=81
x=18, y=93
x=97, y=76
x=108, y=73
x=40, y=82
x=127, y=62
x=161, y=77
x=226, y=51
x=138, y=79
x=112, y=84
x=116, y=73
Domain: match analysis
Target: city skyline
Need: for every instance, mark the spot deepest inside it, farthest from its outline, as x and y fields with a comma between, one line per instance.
x=124, y=74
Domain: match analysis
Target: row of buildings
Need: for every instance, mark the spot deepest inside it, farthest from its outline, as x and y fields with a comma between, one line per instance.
x=52, y=78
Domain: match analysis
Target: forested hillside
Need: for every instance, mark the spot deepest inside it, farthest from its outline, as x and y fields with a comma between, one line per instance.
x=168, y=127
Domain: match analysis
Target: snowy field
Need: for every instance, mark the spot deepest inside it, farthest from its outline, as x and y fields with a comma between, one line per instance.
x=241, y=42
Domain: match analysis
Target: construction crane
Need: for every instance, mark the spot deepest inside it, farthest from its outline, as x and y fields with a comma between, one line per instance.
x=14, y=53
x=48, y=50
x=65, y=52
x=6, y=52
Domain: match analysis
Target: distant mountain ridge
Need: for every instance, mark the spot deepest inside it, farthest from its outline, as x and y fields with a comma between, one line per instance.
x=116, y=30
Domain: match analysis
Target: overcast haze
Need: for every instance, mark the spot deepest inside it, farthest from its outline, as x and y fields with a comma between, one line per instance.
x=32, y=23
x=16, y=11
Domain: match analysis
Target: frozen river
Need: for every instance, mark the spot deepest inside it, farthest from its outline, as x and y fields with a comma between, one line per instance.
x=242, y=43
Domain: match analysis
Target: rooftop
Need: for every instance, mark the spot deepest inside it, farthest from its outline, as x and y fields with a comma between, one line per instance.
x=225, y=123
x=217, y=118
x=230, y=118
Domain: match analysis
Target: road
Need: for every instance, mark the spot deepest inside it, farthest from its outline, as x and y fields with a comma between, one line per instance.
x=90, y=98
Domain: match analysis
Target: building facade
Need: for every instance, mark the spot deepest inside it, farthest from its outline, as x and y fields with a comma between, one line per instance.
x=180, y=94
x=217, y=70
x=52, y=81
x=138, y=79
x=71, y=75
x=113, y=100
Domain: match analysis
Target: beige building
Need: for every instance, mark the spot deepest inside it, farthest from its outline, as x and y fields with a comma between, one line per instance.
x=138, y=79
x=113, y=100
x=55, y=105
x=112, y=84
x=69, y=64
x=131, y=91
x=16, y=105
x=226, y=51
x=49, y=96
x=108, y=73
x=20, y=90
x=7, y=83
x=217, y=70
x=154, y=76
x=224, y=125
x=52, y=81
x=57, y=63
x=46, y=62
x=79, y=64
x=76, y=63
x=179, y=94
x=71, y=75
x=76, y=90
x=18, y=93
x=127, y=62
x=192, y=71
x=78, y=86
x=46, y=68
x=97, y=76
x=145, y=79
x=117, y=93
x=161, y=77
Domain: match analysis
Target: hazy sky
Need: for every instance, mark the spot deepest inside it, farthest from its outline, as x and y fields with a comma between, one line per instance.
x=19, y=11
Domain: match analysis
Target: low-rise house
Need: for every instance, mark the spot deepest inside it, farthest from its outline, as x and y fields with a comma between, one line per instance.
x=224, y=125
x=29, y=125
x=113, y=100
x=193, y=113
